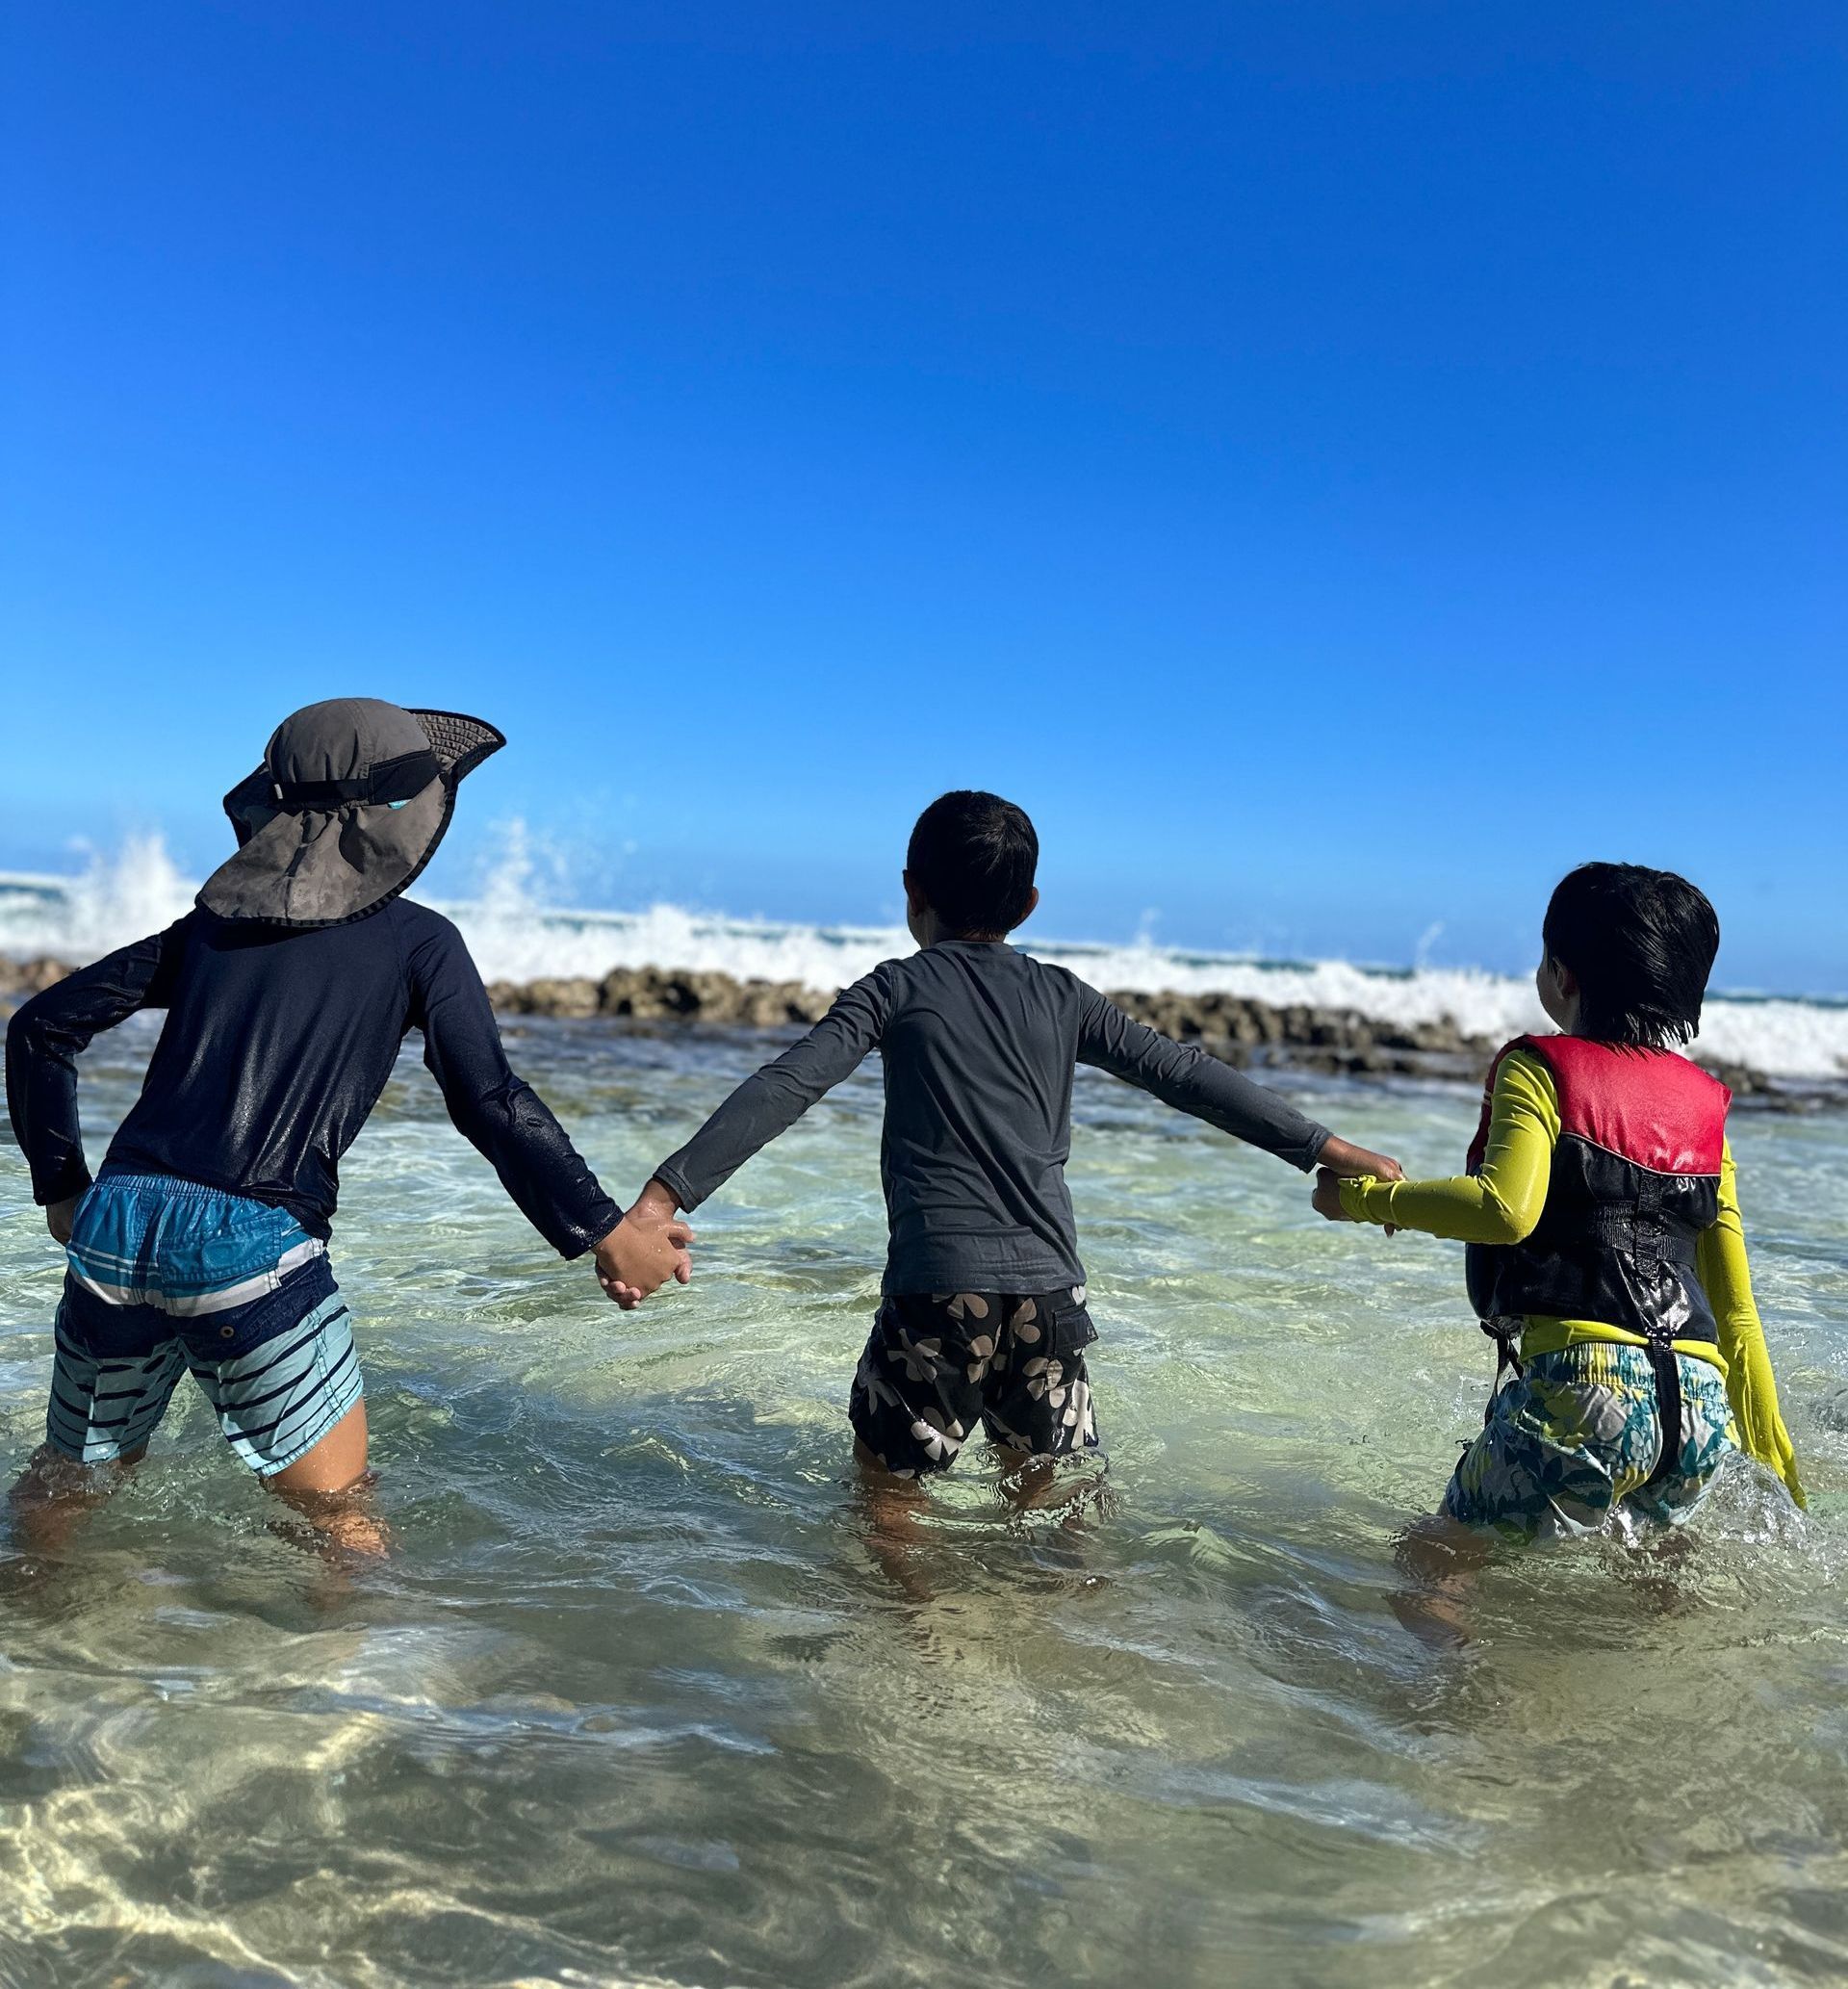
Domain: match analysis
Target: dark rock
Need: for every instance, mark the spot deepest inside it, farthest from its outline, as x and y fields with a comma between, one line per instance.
x=547, y=997
x=25, y=978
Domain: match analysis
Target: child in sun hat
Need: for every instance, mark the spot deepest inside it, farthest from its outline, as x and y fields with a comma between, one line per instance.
x=984, y=1322
x=1606, y=1255
x=202, y=1243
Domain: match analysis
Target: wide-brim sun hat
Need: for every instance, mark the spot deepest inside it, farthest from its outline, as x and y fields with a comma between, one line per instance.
x=350, y=804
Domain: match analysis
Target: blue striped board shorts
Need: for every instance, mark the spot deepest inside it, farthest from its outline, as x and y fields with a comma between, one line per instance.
x=167, y=1275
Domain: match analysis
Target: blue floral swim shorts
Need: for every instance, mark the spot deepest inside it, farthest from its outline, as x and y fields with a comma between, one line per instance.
x=1576, y=1434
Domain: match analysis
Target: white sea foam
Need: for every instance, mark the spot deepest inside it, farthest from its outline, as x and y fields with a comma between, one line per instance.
x=516, y=935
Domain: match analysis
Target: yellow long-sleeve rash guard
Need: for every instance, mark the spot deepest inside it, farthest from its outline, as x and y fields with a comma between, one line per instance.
x=1503, y=1202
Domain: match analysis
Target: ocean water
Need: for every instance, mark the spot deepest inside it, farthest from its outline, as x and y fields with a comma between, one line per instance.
x=516, y=934
x=644, y=1694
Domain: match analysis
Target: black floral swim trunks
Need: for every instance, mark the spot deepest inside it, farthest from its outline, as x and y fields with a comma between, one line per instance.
x=939, y=1363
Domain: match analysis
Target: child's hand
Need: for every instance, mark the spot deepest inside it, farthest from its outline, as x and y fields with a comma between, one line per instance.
x=1327, y=1199
x=647, y=1247
x=1343, y=1158
x=60, y=1217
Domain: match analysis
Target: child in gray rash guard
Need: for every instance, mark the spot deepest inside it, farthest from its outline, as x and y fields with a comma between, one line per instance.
x=984, y=1313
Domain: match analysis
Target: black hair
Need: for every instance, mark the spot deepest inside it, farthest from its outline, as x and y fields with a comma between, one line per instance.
x=972, y=856
x=1641, y=943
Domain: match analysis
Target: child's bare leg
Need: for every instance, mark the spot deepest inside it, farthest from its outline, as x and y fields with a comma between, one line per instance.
x=1437, y=1556
x=1026, y=1475
x=329, y=1487
x=1036, y=1478
x=1035, y=1481
x=54, y=1494
x=893, y=1505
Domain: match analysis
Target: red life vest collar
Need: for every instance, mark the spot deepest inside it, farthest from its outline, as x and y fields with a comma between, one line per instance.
x=1649, y=1106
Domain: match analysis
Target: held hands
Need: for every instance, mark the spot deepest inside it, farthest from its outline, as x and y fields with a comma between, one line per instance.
x=1327, y=1199
x=60, y=1217
x=1351, y=1163
x=1342, y=1161
x=647, y=1247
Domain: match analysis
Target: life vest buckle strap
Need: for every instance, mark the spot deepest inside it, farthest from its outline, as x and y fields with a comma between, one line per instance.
x=1666, y=1368
x=1505, y=1331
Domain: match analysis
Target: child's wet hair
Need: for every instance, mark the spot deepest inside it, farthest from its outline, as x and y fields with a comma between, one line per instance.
x=1641, y=943
x=973, y=857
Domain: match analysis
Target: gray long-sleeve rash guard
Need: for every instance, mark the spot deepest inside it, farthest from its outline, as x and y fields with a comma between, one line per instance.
x=979, y=1043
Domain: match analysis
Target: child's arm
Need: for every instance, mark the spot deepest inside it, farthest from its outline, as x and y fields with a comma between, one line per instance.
x=1500, y=1203
x=44, y=1039
x=1725, y=1277
x=768, y=1102
x=771, y=1100
x=1185, y=1076
x=507, y=1121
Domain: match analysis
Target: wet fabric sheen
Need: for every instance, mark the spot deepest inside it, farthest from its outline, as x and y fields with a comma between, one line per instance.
x=979, y=1043
x=1578, y=1433
x=938, y=1365
x=167, y=1275
x=183, y=1248
x=275, y=1048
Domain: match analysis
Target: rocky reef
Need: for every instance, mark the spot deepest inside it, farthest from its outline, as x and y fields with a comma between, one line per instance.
x=1235, y=1027
x=20, y=979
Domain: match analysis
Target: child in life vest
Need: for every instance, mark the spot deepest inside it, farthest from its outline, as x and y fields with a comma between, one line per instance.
x=1605, y=1253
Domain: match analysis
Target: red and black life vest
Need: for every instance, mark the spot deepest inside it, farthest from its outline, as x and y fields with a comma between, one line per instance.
x=1635, y=1180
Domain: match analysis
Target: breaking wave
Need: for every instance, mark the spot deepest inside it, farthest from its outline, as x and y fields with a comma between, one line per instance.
x=515, y=935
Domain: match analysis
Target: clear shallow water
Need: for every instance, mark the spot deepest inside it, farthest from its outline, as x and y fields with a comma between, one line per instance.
x=640, y=1698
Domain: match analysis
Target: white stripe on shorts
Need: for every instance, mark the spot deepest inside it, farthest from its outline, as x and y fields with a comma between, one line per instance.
x=196, y=1304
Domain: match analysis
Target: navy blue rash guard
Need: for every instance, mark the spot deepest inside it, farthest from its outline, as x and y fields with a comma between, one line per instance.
x=275, y=1048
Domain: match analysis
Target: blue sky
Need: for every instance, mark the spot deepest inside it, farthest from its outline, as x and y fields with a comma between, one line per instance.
x=1336, y=465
